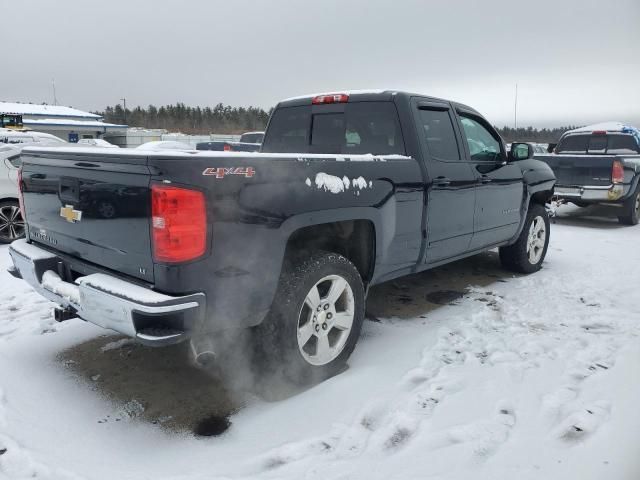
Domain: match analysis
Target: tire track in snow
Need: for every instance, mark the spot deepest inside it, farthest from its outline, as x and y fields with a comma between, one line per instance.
x=514, y=331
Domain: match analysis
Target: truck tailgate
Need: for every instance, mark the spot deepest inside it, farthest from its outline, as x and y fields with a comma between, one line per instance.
x=91, y=204
x=580, y=170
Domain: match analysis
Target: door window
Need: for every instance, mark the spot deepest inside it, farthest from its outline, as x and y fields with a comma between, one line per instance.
x=439, y=134
x=483, y=145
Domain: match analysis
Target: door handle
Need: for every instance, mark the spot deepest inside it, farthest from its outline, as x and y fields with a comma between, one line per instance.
x=441, y=181
x=485, y=179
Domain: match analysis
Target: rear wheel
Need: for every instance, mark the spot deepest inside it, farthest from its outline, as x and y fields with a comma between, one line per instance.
x=315, y=319
x=632, y=210
x=527, y=254
x=11, y=222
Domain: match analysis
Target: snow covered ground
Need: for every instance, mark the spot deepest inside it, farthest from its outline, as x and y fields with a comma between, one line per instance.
x=522, y=378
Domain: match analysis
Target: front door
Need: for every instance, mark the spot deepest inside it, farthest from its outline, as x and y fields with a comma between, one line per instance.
x=451, y=183
x=500, y=187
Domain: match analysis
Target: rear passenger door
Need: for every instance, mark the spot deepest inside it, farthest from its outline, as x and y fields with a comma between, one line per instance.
x=451, y=182
x=500, y=189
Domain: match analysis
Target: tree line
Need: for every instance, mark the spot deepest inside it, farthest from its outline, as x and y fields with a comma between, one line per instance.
x=225, y=119
x=530, y=134
x=191, y=120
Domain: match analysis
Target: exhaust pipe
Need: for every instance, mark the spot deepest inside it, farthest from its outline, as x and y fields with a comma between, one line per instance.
x=203, y=351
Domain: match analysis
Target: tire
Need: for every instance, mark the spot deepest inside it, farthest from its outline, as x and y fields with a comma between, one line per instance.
x=11, y=222
x=291, y=343
x=527, y=254
x=632, y=210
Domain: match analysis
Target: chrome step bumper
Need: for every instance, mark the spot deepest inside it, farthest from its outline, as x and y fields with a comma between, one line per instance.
x=150, y=317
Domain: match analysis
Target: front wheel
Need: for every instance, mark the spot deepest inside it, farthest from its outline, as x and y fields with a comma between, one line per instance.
x=527, y=254
x=315, y=319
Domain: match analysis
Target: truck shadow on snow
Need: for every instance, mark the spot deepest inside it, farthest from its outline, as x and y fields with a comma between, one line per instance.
x=161, y=386
x=594, y=216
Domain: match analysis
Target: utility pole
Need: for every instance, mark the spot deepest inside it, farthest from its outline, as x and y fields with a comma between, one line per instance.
x=55, y=99
x=124, y=109
x=515, y=110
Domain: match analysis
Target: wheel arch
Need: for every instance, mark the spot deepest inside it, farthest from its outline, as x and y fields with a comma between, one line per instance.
x=353, y=236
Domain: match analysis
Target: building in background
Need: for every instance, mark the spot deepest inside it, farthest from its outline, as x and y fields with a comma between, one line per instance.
x=135, y=136
x=66, y=123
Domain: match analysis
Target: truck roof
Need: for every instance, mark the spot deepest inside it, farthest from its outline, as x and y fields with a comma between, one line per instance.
x=614, y=127
x=367, y=96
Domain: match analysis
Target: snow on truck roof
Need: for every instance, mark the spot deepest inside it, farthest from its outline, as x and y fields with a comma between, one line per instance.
x=606, y=127
x=44, y=110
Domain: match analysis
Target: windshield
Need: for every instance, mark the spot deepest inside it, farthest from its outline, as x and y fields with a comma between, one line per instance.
x=358, y=128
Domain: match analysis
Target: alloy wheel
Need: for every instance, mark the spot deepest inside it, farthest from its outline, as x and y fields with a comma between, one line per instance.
x=11, y=223
x=536, y=240
x=325, y=320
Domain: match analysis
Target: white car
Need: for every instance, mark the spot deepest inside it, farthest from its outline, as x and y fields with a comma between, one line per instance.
x=14, y=137
x=11, y=222
x=96, y=142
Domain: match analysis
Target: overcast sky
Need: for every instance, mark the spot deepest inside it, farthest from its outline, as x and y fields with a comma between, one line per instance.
x=575, y=61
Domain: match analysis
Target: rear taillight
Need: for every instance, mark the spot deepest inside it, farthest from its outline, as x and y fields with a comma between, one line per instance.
x=21, y=193
x=330, y=98
x=179, y=223
x=617, y=172
x=227, y=147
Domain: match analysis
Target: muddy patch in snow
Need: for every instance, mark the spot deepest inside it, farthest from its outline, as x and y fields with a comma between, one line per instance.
x=417, y=295
x=444, y=297
x=156, y=385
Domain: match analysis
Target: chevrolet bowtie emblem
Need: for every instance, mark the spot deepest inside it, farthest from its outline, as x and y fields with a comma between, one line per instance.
x=70, y=215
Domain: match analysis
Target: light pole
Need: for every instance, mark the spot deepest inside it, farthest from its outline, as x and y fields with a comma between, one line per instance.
x=515, y=110
x=124, y=107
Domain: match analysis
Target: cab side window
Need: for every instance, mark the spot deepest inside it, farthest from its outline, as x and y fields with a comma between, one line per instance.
x=439, y=134
x=483, y=146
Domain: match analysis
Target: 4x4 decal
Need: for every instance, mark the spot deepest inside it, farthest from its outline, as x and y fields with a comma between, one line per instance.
x=221, y=172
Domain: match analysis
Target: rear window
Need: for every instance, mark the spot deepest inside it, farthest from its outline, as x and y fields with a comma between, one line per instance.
x=613, y=144
x=363, y=127
x=623, y=144
x=573, y=144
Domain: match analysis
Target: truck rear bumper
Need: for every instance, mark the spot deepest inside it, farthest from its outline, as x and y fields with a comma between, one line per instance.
x=593, y=193
x=150, y=317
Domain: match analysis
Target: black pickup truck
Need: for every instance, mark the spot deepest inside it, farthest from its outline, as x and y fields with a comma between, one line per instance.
x=349, y=190
x=599, y=164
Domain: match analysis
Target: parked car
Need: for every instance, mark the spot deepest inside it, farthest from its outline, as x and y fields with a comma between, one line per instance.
x=96, y=142
x=252, y=137
x=249, y=142
x=350, y=190
x=14, y=137
x=11, y=222
x=600, y=164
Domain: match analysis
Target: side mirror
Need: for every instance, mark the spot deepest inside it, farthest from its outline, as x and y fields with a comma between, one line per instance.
x=521, y=151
